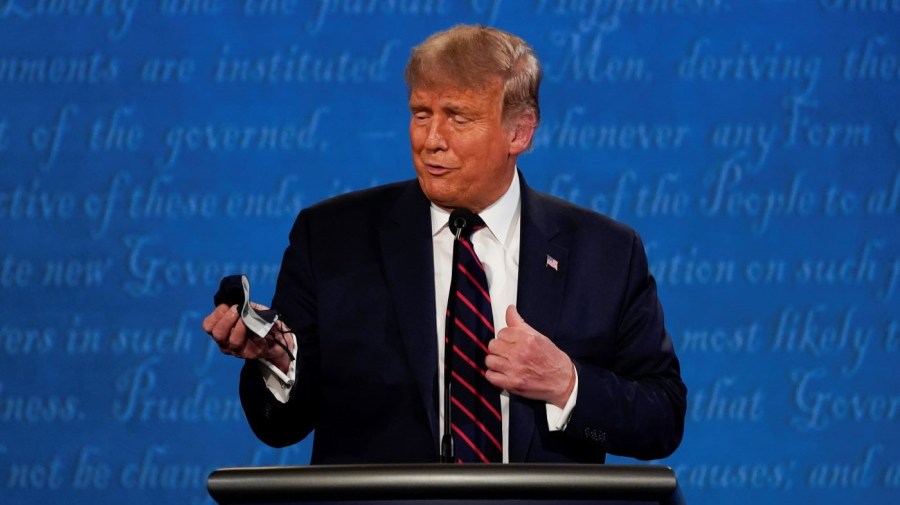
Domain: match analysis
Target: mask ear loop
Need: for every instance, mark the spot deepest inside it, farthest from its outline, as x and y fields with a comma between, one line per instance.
x=279, y=329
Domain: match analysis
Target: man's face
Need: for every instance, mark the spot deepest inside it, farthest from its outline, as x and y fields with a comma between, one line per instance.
x=463, y=153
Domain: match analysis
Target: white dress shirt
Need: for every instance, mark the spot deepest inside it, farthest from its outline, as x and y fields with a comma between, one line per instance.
x=497, y=246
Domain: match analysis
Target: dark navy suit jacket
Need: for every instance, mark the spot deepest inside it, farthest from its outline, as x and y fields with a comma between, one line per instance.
x=357, y=287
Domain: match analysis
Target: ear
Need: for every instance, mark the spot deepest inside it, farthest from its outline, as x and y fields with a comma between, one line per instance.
x=521, y=131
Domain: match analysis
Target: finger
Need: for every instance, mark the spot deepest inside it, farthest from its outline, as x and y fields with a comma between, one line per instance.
x=258, y=306
x=498, y=379
x=238, y=338
x=501, y=346
x=222, y=329
x=508, y=335
x=250, y=348
x=514, y=319
x=209, y=322
x=496, y=363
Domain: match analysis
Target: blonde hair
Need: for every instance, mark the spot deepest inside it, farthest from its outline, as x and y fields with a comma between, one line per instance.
x=472, y=57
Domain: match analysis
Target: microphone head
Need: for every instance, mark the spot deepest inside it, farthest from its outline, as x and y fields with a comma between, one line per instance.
x=461, y=220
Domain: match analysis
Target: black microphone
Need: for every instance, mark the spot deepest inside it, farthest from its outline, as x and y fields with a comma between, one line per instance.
x=460, y=220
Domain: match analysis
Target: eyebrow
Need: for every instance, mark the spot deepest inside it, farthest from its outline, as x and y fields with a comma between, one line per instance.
x=459, y=109
x=449, y=107
x=414, y=105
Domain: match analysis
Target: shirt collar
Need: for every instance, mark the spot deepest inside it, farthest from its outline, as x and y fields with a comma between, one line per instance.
x=498, y=216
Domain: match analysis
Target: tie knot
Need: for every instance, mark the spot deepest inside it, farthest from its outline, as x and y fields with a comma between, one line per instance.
x=463, y=222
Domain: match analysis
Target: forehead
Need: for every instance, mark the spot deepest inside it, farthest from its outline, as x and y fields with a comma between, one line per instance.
x=487, y=97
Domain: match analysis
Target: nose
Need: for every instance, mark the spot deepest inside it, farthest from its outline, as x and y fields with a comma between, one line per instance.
x=435, y=140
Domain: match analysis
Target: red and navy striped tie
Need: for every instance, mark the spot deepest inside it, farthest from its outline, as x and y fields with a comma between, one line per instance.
x=475, y=416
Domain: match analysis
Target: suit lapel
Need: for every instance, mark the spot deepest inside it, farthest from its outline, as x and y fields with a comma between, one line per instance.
x=539, y=301
x=541, y=282
x=406, y=251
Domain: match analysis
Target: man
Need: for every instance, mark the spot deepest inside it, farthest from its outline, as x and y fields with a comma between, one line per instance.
x=581, y=353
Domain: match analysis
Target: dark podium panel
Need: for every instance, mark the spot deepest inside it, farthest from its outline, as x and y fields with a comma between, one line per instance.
x=441, y=483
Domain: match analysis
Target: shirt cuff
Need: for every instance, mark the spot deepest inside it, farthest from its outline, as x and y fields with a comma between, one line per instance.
x=278, y=382
x=558, y=418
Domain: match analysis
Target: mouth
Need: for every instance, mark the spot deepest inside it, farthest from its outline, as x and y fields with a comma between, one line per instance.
x=437, y=170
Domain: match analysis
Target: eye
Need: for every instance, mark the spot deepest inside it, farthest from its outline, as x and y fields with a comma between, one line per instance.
x=421, y=116
x=458, y=119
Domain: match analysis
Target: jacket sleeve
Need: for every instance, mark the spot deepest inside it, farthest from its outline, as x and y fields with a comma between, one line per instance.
x=282, y=424
x=634, y=406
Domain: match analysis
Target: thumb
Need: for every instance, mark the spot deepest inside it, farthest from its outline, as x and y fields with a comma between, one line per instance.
x=258, y=306
x=513, y=319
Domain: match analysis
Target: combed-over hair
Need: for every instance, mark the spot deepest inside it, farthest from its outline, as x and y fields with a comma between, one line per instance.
x=471, y=57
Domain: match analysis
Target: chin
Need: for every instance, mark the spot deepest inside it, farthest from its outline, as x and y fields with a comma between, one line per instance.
x=444, y=201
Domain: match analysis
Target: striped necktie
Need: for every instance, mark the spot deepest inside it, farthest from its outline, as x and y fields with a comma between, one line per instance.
x=475, y=416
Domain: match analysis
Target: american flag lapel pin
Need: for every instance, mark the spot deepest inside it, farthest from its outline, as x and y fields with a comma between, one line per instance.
x=552, y=263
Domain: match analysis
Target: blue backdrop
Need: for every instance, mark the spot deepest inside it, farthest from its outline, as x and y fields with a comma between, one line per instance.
x=149, y=148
